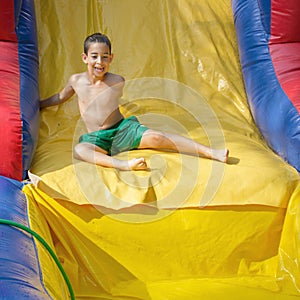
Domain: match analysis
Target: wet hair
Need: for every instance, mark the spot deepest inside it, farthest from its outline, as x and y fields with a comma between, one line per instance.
x=96, y=38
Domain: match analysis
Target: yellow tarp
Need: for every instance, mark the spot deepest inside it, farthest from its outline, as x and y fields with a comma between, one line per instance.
x=180, y=60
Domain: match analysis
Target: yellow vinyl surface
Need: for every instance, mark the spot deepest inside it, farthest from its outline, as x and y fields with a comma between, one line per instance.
x=188, y=227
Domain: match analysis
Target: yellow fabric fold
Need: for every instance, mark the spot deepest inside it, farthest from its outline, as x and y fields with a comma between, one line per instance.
x=110, y=255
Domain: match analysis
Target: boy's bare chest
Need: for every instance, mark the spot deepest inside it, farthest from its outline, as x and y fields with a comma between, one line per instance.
x=97, y=98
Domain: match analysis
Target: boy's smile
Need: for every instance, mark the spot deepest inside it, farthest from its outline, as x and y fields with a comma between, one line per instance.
x=98, y=60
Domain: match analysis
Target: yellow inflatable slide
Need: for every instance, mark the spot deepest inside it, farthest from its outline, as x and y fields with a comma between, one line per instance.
x=188, y=227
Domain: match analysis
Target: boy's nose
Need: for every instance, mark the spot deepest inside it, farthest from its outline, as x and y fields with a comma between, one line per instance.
x=99, y=59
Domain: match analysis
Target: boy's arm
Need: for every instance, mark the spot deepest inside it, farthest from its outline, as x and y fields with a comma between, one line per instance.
x=58, y=98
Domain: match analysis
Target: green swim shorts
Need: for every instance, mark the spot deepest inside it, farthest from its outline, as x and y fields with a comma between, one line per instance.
x=123, y=136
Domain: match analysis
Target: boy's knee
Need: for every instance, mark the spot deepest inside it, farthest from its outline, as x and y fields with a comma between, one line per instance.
x=157, y=140
x=83, y=150
x=79, y=151
x=76, y=151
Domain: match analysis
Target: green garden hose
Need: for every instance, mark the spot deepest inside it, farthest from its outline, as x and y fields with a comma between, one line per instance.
x=51, y=252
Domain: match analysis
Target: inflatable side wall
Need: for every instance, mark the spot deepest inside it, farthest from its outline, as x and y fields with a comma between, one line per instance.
x=269, y=43
x=19, y=93
x=20, y=272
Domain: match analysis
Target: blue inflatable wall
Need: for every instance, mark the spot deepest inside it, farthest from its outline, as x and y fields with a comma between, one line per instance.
x=274, y=111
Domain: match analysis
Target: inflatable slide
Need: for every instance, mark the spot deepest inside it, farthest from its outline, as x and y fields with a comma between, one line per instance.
x=224, y=73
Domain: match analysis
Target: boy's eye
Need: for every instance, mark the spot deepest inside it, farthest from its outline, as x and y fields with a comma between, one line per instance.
x=104, y=57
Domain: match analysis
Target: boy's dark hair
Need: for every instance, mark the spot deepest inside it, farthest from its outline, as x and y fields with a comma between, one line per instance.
x=96, y=38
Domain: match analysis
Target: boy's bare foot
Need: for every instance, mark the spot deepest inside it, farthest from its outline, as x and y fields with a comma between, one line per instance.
x=135, y=164
x=220, y=155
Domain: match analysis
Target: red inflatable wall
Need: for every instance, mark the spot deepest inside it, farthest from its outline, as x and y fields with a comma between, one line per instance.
x=10, y=120
x=285, y=46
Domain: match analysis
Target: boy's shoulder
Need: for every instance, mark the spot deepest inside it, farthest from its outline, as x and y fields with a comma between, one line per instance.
x=77, y=76
x=114, y=78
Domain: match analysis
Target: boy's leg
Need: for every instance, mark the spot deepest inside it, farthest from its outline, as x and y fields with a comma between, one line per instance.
x=96, y=155
x=168, y=141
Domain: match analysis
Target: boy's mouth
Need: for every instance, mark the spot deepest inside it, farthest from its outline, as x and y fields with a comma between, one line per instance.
x=99, y=69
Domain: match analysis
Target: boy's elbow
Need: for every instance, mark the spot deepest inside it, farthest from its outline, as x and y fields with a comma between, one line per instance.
x=53, y=100
x=41, y=104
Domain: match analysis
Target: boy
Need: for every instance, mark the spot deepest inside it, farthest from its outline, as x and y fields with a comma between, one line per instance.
x=98, y=93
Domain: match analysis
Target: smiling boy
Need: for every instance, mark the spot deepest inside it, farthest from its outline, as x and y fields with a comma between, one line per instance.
x=109, y=132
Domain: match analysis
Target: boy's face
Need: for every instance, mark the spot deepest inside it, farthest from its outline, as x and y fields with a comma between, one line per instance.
x=97, y=59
